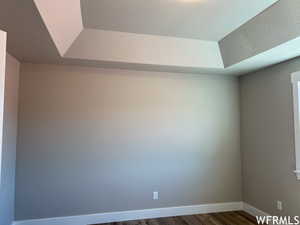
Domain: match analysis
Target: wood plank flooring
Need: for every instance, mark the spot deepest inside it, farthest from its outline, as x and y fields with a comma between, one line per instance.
x=226, y=218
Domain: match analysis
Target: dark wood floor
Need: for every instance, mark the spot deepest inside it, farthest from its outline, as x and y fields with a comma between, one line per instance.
x=226, y=218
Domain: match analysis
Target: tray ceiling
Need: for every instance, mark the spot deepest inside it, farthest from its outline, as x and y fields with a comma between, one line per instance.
x=200, y=19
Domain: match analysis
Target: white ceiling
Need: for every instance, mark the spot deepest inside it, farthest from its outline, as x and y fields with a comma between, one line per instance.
x=200, y=19
x=39, y=32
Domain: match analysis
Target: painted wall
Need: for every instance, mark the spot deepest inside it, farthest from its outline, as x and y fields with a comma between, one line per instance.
x=7, y=189
x=96, y=140
x=267, y=139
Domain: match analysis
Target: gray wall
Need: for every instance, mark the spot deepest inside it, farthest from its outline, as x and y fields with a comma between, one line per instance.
x=95, y=140
x=267, y=139
x=7, y=188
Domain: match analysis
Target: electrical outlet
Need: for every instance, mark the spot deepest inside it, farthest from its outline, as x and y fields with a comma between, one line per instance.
x=279, y=205
x=155, y=195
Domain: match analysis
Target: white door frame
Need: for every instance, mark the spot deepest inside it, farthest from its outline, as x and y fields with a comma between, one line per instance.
x=296, y=101
x=2, y=84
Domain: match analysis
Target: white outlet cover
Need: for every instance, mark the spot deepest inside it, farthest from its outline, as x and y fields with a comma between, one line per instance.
x=279, y=205
x=155, y=195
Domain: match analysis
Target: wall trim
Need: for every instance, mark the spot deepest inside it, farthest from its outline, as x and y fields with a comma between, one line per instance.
x=254, y=211
x=295, y=78
x=135, y=214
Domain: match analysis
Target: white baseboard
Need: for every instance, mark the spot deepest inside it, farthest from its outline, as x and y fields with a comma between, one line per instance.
x=135, y=214
x=254, y=211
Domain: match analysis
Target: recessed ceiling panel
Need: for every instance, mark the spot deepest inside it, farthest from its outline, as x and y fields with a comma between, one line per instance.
x=200, y=19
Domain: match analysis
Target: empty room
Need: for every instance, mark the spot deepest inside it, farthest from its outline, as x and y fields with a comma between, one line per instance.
x=149, y=112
